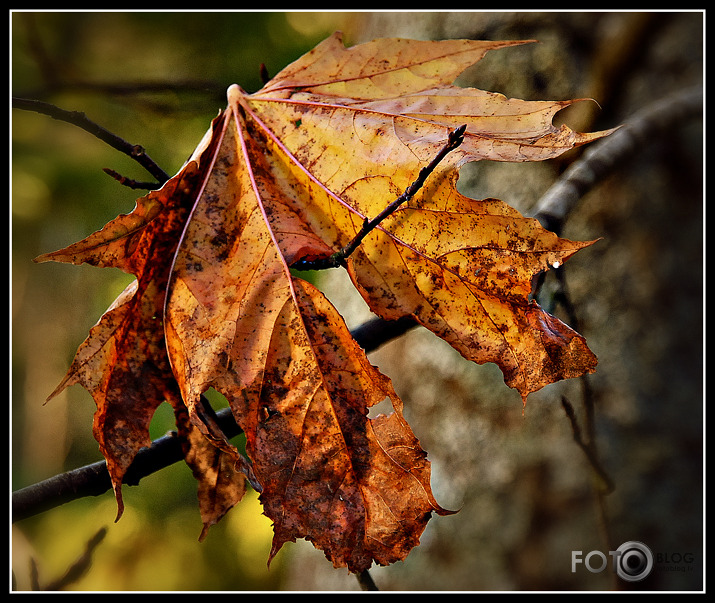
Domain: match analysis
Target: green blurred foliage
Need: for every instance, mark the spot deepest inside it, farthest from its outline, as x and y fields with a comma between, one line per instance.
x=95, y=62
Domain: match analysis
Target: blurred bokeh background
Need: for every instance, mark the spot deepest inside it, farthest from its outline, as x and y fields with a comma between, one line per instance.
x=527, y=495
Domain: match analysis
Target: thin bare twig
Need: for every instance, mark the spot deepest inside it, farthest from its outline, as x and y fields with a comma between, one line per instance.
x=599, y=160
x=129, y=182
x=455, y=138
x=80, y=567
x=587, y=447
x=79, y=119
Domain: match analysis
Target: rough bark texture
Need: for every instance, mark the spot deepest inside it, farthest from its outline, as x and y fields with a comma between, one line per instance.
x=526, y=491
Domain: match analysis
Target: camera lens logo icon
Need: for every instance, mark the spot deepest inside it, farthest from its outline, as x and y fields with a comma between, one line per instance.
x=634, y=561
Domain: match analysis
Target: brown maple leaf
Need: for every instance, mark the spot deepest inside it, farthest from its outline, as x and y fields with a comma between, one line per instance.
x=123, y=363
x=342, y=130
x=298, y=384
x=287, y=177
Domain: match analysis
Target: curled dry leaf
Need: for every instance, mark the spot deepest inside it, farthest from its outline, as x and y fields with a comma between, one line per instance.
x=286, y=176
x=221, y=482
x=123, y=363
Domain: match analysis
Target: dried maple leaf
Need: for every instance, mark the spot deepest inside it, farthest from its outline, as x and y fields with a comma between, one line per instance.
x=343, y=130
x=123, y=362
x=285, y=178
x=298, y=384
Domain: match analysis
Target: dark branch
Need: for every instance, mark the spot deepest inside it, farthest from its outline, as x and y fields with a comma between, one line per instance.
x=93, y=480
x=612, y=152
x=263, y=71
x=79, y=119
x=455, y=138
x=373, y=333
x=608, y=155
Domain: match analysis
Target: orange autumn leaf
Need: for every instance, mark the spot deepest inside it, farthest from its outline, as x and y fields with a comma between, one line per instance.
x=221, y=481
x=123, y=363
x=298, y=384
x=341, y=132
x=285, y=178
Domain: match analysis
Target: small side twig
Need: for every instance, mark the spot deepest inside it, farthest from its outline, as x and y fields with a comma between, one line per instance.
x=339, y=258
x=79, y=119
x=586, y=447
x=80, y=567
x=263, y=72
x=129, y=182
